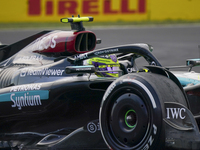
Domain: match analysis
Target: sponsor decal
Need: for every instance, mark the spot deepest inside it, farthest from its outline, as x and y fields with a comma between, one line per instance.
x=28, y=87
x=106, y=51
x=176, y=113
x=114, y=58
x=39, y=72
x=81, y=56
x=45, y=43
x=105, y=56
x=25, y=99
x=34, y=57
x=92, y=127
x=177, y=116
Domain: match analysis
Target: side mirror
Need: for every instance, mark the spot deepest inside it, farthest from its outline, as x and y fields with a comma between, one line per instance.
x=80, y=69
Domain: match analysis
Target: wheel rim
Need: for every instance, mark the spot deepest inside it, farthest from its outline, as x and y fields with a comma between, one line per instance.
x=128, y=123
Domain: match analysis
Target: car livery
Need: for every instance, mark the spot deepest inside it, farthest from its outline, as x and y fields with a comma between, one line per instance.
x=51, y=98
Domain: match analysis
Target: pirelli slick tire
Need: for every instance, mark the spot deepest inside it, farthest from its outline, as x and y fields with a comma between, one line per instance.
x=132, y=110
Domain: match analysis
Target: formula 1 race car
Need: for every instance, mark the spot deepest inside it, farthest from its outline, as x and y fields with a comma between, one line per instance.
x=57, y=92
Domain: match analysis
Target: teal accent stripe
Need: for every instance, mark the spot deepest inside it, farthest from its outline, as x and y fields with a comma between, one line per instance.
x=185, y=81
x=197, y=59
x=44, y=95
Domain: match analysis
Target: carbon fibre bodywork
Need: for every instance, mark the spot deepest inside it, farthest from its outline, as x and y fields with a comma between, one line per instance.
x=47, y=105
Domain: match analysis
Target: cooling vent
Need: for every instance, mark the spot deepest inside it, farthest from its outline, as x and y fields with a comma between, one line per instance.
x=85, y=42
x=6, y=76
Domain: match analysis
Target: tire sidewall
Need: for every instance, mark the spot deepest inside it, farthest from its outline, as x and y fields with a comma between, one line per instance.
x=148, y=94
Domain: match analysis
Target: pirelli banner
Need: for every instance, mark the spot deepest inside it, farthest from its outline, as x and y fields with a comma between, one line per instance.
x=101, y=10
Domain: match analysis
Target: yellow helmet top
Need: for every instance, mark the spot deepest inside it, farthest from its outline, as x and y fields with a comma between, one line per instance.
x=107, y=66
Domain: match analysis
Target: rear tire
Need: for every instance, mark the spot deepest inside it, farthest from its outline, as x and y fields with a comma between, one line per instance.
x=132, y=110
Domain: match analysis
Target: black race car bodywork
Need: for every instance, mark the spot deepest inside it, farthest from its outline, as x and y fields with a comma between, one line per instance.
x=50, y=100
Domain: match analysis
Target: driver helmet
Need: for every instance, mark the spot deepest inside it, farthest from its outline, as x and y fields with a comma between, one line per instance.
x=107, y=65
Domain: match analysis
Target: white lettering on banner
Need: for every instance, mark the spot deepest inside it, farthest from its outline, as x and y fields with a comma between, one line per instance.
x=26, y=100
x=175, y=113
x=28, y=87
x=43, y=71
x=45, y=43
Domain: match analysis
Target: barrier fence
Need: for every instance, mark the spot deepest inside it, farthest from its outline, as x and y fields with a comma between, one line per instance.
x=101, y=10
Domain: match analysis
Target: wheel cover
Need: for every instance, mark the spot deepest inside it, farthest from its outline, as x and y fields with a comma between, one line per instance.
x=128, y=123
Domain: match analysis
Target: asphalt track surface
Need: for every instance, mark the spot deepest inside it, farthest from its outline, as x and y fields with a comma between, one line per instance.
x=173, y=44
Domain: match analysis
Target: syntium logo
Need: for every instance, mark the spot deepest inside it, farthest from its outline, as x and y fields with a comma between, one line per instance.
x=25, y=99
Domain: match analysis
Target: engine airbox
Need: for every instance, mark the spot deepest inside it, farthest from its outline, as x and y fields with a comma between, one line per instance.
x=85, y=42
x=71, y=42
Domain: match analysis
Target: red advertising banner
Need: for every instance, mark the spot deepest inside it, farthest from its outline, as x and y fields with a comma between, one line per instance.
x=101, y=10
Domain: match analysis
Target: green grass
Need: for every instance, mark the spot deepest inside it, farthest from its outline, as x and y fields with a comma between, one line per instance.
x=28, y=25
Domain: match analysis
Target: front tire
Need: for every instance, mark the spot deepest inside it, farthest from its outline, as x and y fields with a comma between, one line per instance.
x=132, y=109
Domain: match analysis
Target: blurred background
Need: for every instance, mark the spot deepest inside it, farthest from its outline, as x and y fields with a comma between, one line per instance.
x=172, y=27
x=101, y=10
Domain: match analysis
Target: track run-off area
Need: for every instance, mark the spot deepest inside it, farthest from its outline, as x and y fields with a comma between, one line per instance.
x=173, y=44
